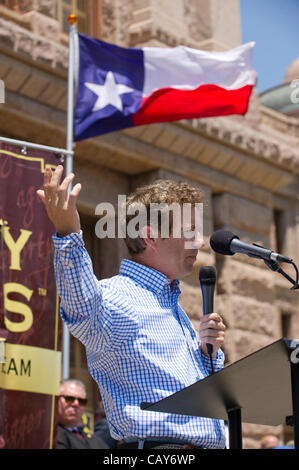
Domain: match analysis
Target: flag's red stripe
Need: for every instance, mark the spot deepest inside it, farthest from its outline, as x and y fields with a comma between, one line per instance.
x=168, y=104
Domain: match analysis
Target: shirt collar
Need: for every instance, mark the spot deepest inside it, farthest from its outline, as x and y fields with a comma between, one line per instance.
x=76, y=428
x=148, y=277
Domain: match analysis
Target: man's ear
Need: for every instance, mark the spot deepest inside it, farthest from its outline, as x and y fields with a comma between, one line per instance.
x=149, y=236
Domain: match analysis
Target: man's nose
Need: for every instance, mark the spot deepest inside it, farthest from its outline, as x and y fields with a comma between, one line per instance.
x=195, y=244
x=198, y=241
x=76, y=402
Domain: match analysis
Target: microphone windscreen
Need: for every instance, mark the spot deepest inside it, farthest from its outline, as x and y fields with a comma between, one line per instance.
x=220, y=242
x=207, y=275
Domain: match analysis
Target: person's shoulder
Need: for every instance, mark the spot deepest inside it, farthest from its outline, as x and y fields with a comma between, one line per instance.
x=119, y=297
x=63, y=441
x=117, y=280
x=61, y=429
x=96, y=442
x=117, y=287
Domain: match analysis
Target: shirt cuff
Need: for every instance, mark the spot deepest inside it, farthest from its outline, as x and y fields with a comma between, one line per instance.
x=218, y=361
x=69, y=241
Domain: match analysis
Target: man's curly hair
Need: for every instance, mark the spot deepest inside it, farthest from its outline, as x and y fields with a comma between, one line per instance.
x=161, y=191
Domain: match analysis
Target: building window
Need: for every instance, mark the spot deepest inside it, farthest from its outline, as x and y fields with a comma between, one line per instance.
x=11, y=4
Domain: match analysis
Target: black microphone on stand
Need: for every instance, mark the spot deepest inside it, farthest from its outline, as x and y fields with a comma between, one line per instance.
x=207, y=279
x=228, y=243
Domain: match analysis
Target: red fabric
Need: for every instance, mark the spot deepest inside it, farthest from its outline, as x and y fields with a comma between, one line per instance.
x=168, y=104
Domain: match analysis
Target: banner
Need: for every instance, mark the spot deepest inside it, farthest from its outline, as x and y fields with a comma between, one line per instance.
x=30, y=327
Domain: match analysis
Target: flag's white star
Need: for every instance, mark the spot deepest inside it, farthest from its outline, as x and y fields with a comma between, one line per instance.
x=109, y=93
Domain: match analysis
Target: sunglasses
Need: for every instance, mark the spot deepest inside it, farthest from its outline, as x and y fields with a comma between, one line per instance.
x=70, y=400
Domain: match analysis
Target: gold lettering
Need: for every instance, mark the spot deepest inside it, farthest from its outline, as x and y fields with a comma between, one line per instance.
x=42, y=292
x=15, y=247
x=17, y=307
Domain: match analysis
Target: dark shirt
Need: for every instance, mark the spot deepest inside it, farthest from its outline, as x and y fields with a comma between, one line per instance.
x=101, y=429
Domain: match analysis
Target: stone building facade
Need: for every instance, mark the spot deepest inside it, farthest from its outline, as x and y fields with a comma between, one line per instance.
x=247, y=166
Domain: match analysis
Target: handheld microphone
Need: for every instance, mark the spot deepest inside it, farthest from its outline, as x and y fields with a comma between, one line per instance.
x=227, y=243
x=207, y=279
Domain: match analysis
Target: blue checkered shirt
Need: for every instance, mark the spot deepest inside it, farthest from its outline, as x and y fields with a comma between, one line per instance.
x=140, y=344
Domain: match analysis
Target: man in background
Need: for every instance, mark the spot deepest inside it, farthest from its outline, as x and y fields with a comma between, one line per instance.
x=71, y=405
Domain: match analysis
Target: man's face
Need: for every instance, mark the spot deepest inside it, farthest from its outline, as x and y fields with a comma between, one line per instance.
x=70, y=414
x=178, y=255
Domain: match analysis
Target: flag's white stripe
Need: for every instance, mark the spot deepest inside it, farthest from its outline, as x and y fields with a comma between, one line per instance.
x=184, y=68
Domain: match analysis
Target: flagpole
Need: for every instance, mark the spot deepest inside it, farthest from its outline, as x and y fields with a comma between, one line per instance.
x=69, y=166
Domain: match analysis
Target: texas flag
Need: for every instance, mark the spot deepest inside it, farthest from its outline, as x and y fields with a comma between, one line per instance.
x=120, y=88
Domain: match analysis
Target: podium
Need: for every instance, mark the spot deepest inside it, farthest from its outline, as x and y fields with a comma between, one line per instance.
x=262, y=388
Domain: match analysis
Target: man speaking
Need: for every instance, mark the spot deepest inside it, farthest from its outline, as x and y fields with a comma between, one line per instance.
x=140, y=344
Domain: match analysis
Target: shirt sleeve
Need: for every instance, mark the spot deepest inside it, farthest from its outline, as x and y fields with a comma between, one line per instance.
x=98, y=321
x=218, y=361
x=79, y=290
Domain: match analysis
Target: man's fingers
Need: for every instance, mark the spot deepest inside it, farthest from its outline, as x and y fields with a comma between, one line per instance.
x=47, y=175
x=51, y=182
x=56, y=193
x=60, y=208
x=62, y=190
x=211, y=321
x=213, y=316
x=41, y=194
x=212, y=331
x=73, y=195
x=212, y=334
x=47, y=179
x=211, y=324
x=214, y=338
x=56, y=176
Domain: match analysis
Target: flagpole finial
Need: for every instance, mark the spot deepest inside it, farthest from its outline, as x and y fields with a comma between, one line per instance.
x=72, y=19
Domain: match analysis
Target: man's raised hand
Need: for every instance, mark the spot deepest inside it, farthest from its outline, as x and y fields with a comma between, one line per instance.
x=61, y=207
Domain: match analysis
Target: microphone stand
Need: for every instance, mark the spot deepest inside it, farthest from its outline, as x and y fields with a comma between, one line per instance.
x=275, y=266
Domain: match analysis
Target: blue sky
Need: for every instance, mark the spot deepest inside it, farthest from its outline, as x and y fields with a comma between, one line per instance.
x=274, y=26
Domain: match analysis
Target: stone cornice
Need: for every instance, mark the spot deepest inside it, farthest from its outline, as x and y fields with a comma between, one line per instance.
x=253, y=142
x=28, y=46
x=10, y=15
x=286, y=126
x=233, y=163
